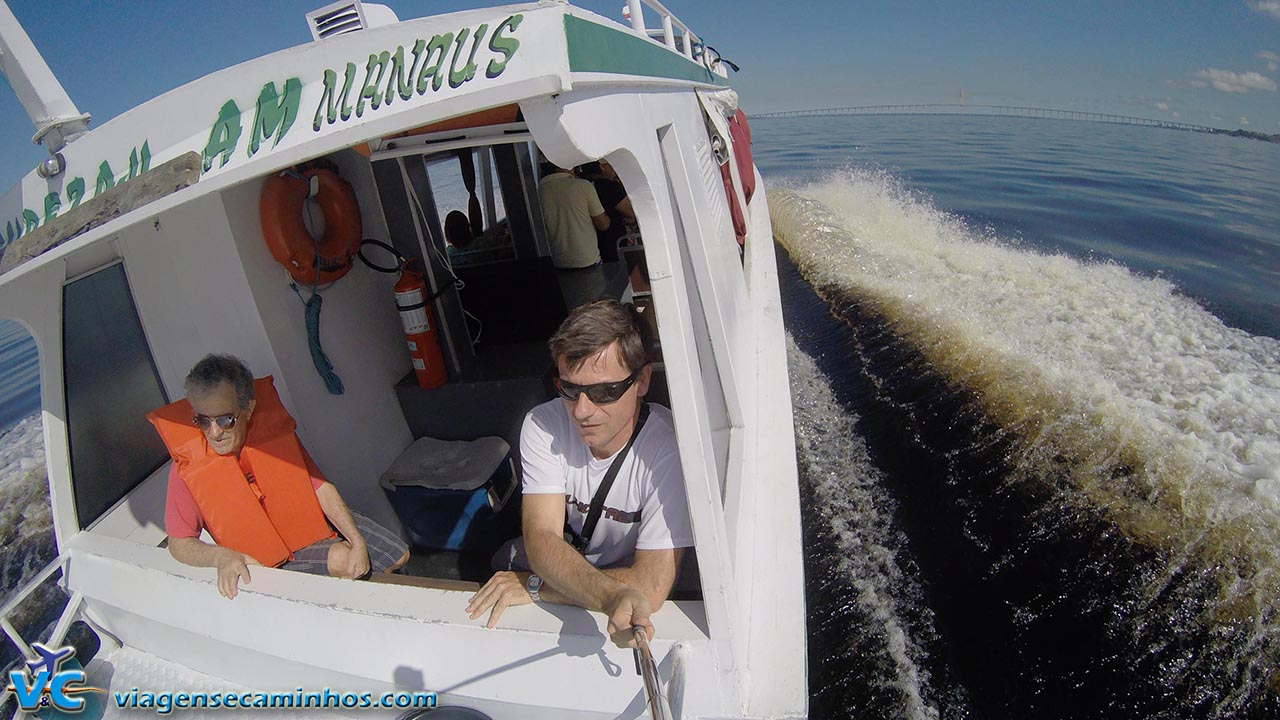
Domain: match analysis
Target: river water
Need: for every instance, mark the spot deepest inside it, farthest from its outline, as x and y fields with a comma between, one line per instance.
x=1037, y=389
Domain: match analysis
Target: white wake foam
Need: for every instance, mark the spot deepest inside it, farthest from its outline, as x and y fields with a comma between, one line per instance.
x=1158, y=414
x=26, y=520
x=851, y=502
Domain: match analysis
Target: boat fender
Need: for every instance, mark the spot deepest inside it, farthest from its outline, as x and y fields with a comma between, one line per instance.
x=310, y=260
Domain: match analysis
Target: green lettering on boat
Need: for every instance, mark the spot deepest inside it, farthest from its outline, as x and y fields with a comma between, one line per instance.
x=12, y=231
x=501, y=44
x=458, y=77
x=329, y=101
x=400, y=78
x=223, y=136
x=348, y=82
x=52, y=204
x=370, y=91
x=274, y=113
x=139, y=165
x=106, y=178
x=433, y=70
x=75, y=191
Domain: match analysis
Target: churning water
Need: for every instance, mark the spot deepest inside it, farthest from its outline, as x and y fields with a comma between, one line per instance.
x=1055, y=489
x=26, y=525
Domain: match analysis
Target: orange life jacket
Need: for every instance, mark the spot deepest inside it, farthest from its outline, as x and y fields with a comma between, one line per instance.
x=267, y=518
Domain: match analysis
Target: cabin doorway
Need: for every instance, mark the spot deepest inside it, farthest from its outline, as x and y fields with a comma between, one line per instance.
x=471, y=212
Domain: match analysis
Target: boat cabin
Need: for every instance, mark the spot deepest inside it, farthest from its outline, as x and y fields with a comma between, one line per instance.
x=148, y=252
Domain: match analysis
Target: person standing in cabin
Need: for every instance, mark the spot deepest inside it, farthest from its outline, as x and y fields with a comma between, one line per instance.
x=601, y=467
x=240, y=472
x=613, y=196
x=572, y=213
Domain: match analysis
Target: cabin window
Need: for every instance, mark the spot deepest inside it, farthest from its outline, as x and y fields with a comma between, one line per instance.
x=472, y=215
x=111, y=383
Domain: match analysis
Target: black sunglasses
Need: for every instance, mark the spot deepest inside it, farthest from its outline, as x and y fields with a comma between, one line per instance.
x=599, y=393
x=226, y=422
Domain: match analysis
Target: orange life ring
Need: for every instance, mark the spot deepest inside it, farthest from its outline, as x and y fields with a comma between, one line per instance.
x=308, y=260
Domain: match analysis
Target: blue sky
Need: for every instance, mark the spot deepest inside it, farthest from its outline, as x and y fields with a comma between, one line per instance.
x=1210, y=63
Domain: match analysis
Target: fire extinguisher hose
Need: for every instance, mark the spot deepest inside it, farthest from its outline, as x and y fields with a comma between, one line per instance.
x=400, y=259
x=401, y=263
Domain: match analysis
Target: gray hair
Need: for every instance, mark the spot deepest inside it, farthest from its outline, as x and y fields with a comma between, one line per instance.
x=213, y=370
x=591, y=328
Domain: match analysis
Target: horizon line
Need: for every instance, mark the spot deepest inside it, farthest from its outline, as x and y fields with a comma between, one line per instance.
x=1002, y=110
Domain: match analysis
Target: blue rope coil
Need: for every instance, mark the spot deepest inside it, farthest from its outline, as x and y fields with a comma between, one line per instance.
x=318, y=357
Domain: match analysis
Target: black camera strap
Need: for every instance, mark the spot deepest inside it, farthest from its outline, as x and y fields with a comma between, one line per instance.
x=597, y=501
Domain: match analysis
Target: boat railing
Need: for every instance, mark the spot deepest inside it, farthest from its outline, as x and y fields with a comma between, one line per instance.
x=669, y=24
x=63, y=624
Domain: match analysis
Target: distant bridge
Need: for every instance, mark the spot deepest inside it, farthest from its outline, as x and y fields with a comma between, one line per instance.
x=997, y=110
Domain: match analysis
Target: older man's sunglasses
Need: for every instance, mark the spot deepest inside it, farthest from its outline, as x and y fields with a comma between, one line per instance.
x=226, y=422
x=598, y=393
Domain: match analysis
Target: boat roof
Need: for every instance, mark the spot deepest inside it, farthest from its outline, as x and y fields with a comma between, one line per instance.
x=306, y=101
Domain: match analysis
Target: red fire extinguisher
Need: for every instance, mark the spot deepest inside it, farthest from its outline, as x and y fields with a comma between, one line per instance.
x=419, y=329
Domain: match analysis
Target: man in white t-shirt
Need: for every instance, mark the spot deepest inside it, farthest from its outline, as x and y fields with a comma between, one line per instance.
x=626, y=562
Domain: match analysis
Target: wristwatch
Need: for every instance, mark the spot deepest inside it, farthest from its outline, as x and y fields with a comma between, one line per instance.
x=533, y=585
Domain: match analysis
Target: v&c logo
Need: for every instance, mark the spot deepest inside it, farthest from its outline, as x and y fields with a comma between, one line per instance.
x=44, y=684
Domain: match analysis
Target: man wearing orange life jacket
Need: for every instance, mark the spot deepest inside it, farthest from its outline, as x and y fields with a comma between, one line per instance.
x=240, y=472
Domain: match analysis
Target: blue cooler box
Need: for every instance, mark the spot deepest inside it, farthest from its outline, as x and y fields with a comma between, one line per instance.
x=448, y=493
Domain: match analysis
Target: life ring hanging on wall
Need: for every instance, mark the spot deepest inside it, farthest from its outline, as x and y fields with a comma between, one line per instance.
x=310, y=260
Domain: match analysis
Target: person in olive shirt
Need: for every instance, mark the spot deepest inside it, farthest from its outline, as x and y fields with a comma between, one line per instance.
x=572, y=213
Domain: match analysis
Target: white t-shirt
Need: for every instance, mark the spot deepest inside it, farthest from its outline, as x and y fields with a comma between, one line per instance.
x=568, y=204
x=646, y=507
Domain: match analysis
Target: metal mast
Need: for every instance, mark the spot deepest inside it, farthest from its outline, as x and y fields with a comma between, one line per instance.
x=55, y=116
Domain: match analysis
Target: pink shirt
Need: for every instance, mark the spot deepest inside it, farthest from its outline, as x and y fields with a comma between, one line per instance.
x=182, y=517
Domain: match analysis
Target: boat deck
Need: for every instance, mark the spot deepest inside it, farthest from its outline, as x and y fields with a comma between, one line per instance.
x=125, y=669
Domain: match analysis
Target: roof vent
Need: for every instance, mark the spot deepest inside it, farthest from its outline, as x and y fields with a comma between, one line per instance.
x=344, y=17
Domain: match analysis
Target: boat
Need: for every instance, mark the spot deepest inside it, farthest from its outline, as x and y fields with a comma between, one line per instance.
x=138, y=246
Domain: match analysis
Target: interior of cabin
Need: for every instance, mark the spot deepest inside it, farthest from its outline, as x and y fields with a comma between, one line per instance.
x=458, y=199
